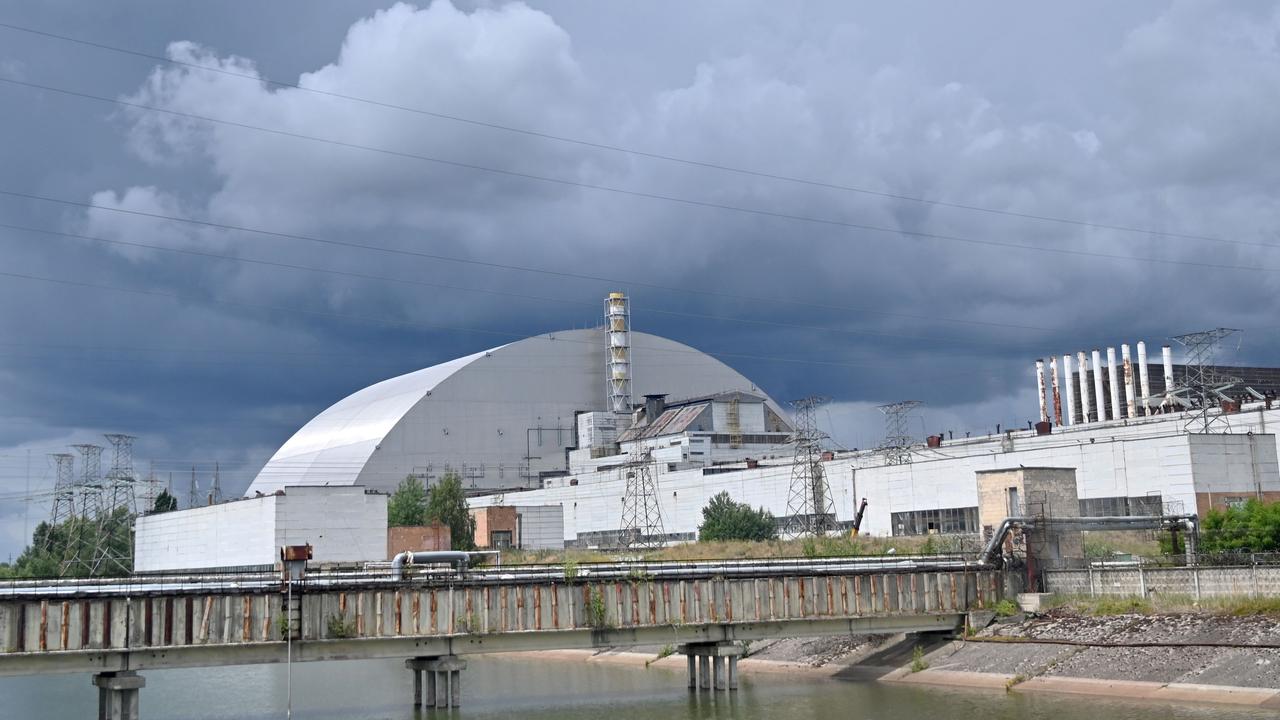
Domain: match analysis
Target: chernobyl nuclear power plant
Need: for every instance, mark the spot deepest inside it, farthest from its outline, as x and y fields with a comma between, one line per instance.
x=609, y=437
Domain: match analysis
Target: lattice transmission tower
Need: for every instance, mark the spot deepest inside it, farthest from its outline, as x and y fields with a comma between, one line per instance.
x=641, y=511
x=120, y=501
x=120, y=481
x=1202, y=379
x=64, y=488
x=810, y=507
x=90, y=484
x=897, y=439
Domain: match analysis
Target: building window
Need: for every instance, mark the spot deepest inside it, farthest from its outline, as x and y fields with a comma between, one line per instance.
x=943, y=521
x=1151, y=505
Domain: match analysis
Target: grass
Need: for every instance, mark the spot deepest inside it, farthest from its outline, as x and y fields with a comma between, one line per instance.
x=842, y=546
x=1237, y=606
x=666, y=652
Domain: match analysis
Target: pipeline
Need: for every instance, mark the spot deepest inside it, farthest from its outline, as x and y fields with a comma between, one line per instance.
x=459, y=559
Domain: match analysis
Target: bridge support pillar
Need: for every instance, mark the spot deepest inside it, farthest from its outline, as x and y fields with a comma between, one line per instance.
x=716, y=665
x=118, y=694
x=442, y=678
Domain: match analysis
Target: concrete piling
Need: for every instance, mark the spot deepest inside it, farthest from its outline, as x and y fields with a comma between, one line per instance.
x=118, y=694
x=440, y=677
x=716, y=665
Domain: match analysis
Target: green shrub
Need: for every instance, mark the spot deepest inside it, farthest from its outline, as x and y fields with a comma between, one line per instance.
x=917, y=660
x=570, y=570
x=597, y=613
x=725, y=519
x=1006, y=608
x=340, y=627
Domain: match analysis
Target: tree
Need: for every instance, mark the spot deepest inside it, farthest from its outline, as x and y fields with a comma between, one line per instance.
x=1255, y=527
x=447, y=504
x=408, y=505
x=164, y=503
x=725, y=519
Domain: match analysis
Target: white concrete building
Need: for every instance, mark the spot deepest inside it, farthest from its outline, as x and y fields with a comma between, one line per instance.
x=1122, y=467
x=342, y=524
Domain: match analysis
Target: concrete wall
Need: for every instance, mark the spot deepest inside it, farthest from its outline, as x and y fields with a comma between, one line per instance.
x=541, y=527
x=227, y=535
x=342, y=524
x=1194, y=582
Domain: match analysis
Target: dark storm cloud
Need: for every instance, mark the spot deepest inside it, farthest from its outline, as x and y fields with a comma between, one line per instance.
x=1149, y=115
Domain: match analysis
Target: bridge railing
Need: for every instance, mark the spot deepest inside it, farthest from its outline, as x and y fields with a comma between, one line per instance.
x=159, y=618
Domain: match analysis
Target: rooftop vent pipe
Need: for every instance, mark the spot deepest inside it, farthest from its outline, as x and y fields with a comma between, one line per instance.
x=1144, y=378
x=1113, y=384
x=1084, y=387
x=1070, y=384
x=1098, y=399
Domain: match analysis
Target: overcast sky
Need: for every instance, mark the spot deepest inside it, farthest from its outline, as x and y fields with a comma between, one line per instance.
x=1118, y=117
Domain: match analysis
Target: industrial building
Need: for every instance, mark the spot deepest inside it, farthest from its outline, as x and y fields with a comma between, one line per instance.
x=509, y=417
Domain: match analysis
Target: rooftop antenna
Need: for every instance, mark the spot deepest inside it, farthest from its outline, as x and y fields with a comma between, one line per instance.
x=1202, y=378
x=810, y=508
x=897, y=440
x=641, y=511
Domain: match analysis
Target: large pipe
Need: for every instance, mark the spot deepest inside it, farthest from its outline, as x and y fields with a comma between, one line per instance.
x=1144, y=377
x=1190, y=523
x=1130, y=393
x=1070, y=381
x=1057, y=392
x=1040, y=391
x=1098, y=399
x=1084, y=387
x=457, y=558
x=1113, y=385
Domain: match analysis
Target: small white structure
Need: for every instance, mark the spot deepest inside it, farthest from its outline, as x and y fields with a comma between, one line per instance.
x=342, y=524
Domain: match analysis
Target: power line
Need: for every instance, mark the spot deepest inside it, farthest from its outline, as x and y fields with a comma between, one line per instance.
x=503, y=293
x=506, y=266
x=630, y=151
x=390, y=321
x=757, y=212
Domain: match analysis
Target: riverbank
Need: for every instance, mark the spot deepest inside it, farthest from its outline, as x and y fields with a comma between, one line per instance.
x=1183, y=657
x=1168, y=658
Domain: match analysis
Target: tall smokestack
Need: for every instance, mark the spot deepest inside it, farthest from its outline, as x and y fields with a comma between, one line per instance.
x=1098, y=398
x=618, y=361
x=1167, y=353
x=1040, y=391
x=1081, y=358
x=1144, y=377
x=1070, y=384
x=1113, y=385
x=1057, y=392
x=1130, y=401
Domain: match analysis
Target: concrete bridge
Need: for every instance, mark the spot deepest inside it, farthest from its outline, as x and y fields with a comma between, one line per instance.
x=115, y=629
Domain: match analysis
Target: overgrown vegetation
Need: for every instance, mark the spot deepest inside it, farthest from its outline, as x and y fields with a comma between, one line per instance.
x=446, y=503
x=570, y=570
x=723, y=518
x=282, y=626
x=165, y=502
x=1240, y=606
x=70, y=548
x=1006, y=608
x=665, y=652
x=917, y=660
x=408, y=504
x=339, y=627
x=597, y=613
x=1254, y=527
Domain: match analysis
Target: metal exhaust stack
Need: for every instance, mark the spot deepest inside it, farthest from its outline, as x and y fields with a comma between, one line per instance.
x=1098, y=398
x=1113, y=384
x=1081, y=358
x=1144, y=377
x=618, y=377
x=1130, y=400
x=1057, y=392
x=1040, y=391
x=1069, y=378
